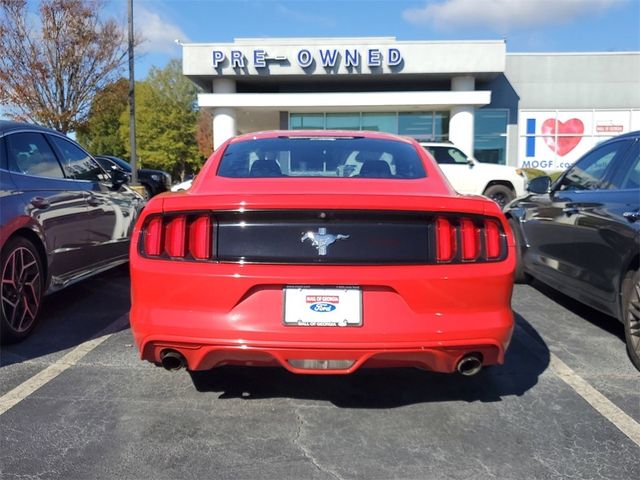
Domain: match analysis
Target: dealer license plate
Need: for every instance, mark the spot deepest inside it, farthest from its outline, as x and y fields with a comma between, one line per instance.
x=323, y=307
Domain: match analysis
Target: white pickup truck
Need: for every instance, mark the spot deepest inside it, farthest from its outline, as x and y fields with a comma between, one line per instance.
x=498, y=182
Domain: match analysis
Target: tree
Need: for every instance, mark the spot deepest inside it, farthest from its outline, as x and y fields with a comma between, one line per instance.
x=204, y=134
x=165, y=122
x=50, y=74
x=100, y=133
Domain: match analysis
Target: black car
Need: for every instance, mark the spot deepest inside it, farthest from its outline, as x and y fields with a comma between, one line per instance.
x=581, y=234
x=154, y=181
x=62, y=219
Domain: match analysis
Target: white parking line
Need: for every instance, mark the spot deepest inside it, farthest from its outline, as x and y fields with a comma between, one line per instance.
x=22, y=391
x=597, y=400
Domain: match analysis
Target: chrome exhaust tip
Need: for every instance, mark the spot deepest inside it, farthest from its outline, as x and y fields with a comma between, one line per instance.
x=470, y=364
x=172, y=360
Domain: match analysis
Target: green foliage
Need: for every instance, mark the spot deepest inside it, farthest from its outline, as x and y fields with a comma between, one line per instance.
x=532, y=173
x=554, y=175
x=100, y=134
x=166, y=122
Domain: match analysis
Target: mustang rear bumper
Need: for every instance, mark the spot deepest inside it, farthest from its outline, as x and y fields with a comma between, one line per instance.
x=230, y=314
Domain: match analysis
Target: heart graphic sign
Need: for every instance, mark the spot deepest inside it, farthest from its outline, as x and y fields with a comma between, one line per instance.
x=561, y=144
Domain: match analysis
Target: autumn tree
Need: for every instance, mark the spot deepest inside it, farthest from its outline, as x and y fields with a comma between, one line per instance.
x=100, y=133
x=166, y=121
x=51, y=69
x=204, y=134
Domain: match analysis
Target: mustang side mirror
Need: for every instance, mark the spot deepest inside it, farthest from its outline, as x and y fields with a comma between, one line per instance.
x=118, y=178
x=539, y=185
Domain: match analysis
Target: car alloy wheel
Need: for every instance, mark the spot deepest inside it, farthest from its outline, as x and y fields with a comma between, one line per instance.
x=499, y=194
x=631, y=315
x=21, y=289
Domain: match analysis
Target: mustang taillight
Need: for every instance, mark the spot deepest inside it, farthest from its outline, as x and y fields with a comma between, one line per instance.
x=152, y=235
x=466, y=239
x=446, y=240
x=182, y=236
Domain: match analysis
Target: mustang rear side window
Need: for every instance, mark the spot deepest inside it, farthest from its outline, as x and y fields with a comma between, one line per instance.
x=321, y=157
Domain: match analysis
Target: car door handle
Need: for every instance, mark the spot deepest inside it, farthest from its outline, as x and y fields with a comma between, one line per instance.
x=571, y=210
x=632, y=216
x=40, y=202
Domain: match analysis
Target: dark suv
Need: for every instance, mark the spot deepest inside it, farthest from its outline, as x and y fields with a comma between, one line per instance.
x=581, y=234
x=154, y=181
x=62, y=218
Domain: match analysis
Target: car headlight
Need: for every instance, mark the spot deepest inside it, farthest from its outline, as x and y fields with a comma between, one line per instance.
x=155, y=177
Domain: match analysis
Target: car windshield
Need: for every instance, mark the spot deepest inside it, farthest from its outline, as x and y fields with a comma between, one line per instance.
x=321, y=157
x=121, y=163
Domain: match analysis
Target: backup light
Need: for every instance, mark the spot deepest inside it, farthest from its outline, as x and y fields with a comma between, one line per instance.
x=322, y=364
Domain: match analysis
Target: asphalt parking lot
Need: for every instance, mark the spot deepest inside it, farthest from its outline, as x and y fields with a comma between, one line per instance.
x=76, y=403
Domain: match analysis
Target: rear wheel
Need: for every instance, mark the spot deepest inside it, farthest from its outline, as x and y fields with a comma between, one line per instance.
x=631, y=315
x=499, y=194
x=21, y=289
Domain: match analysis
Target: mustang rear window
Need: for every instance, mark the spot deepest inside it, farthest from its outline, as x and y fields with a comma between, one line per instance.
x=354, y=157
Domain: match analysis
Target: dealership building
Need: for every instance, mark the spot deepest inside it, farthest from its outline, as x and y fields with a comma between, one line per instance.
x=539, y=110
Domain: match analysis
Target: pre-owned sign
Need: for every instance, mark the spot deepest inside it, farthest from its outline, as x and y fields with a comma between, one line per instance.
x=305, y=58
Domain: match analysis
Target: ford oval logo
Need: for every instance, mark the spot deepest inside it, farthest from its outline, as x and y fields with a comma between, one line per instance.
x=322, y=307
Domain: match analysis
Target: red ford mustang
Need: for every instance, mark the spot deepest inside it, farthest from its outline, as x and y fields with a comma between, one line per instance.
x=322, y=252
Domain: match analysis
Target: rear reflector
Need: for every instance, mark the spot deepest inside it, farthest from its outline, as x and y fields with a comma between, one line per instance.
x=181, y=236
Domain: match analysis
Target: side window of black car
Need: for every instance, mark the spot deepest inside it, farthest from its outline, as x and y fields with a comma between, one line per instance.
x=77, y=163
x=627, y=175
x=30, y=154
x=590, y=171
x=3, y=156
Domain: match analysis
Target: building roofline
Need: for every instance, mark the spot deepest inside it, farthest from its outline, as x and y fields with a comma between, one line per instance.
x=561, y=54
x=339, y=40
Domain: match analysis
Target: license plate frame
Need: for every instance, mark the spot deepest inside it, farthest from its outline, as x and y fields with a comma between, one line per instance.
x=322, y=306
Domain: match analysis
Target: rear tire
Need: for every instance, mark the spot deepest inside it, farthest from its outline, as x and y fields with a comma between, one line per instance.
x=500, y=194
x=631, y=315
x=21, y=289
x=520, y=276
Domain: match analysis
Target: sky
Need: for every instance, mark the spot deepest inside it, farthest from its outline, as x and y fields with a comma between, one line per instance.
x=526, y=25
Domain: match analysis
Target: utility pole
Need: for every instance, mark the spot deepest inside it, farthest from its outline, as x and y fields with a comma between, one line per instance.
x=132, y=103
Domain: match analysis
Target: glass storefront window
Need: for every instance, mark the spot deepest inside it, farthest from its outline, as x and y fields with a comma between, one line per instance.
x=380, y=122
x=418, y=125
x=490, y=135
x=342, y=121
x=300, y=121
x=441, y=126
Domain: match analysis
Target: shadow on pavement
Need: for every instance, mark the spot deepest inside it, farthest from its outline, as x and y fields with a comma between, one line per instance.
x=526, y=359
x=67, y=318
x=601, y=320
